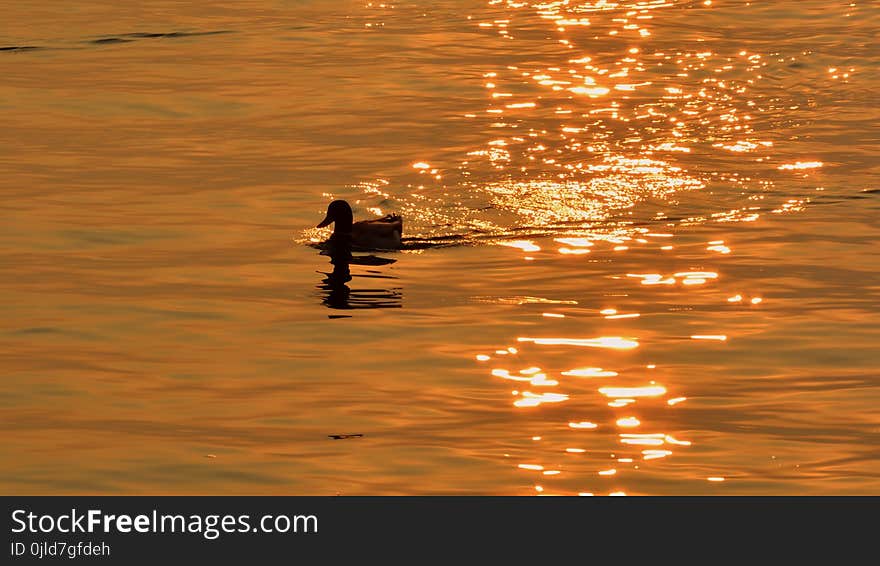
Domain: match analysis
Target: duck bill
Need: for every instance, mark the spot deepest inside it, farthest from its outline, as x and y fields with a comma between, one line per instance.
x=326, y=222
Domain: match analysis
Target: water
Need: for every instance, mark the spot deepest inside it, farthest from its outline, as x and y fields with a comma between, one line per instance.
x=561, y=167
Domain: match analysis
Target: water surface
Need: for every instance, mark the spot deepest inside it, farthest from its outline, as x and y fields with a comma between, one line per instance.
x=644, y=254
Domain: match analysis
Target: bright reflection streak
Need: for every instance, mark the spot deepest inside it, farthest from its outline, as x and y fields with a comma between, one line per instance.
x=576, y=251
x=643, y=441
x=575, y=242
x=672, y=440
x=676, y=401
x=646, y=391
x=651, y=439
x=483, y=357
x=535, y=467
x=619, y=316
x=687, y=277
x=552, y=315
x=654, y=454
x=530, y=399
x=524, y=245
x=610, y=472
x=589, y=372
x=583, y=425
x=801, y=165
x=621, y=403
x=617, y=494
x=653, y=279
x=697, y=274
x=575, y=450
x=735, y=299
x=608, y=311
x=715, y=478
x=628, y=422
x=719, y=337
x=614, y=342
x=592, y=92
x=524, y=300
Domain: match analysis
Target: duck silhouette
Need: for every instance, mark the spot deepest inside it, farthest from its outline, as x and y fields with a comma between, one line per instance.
x=384, y=233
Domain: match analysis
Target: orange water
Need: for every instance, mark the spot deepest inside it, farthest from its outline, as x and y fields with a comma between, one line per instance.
x=655, y=222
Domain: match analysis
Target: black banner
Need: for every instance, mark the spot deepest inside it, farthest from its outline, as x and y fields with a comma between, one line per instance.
x=151, y=530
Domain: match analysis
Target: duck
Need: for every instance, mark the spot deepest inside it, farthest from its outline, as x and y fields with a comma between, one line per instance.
x=384, y=233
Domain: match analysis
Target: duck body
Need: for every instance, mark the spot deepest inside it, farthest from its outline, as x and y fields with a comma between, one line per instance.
x=384, y=233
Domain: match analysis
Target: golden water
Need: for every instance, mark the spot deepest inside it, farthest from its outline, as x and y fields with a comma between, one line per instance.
x=645, y=259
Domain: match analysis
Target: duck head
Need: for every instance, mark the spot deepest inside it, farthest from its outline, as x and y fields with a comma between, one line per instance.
x=339, y=212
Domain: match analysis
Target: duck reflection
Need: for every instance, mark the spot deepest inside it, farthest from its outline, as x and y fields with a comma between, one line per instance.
x=338, y=295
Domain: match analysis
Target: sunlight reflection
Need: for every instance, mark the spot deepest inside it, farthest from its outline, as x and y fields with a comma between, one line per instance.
x=524, y=245
x=614, y=342
x=643, y=439
x=579, y=146
x=530, y=399
x=653, y=454
x=589, y=372
x=646, y=391
x=801, y=165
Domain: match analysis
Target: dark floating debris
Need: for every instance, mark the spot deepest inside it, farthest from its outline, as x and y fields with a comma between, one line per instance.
x=176, y=34
x=344, y=436
x=111, y=40
x=129, y=37
x=20, y=48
